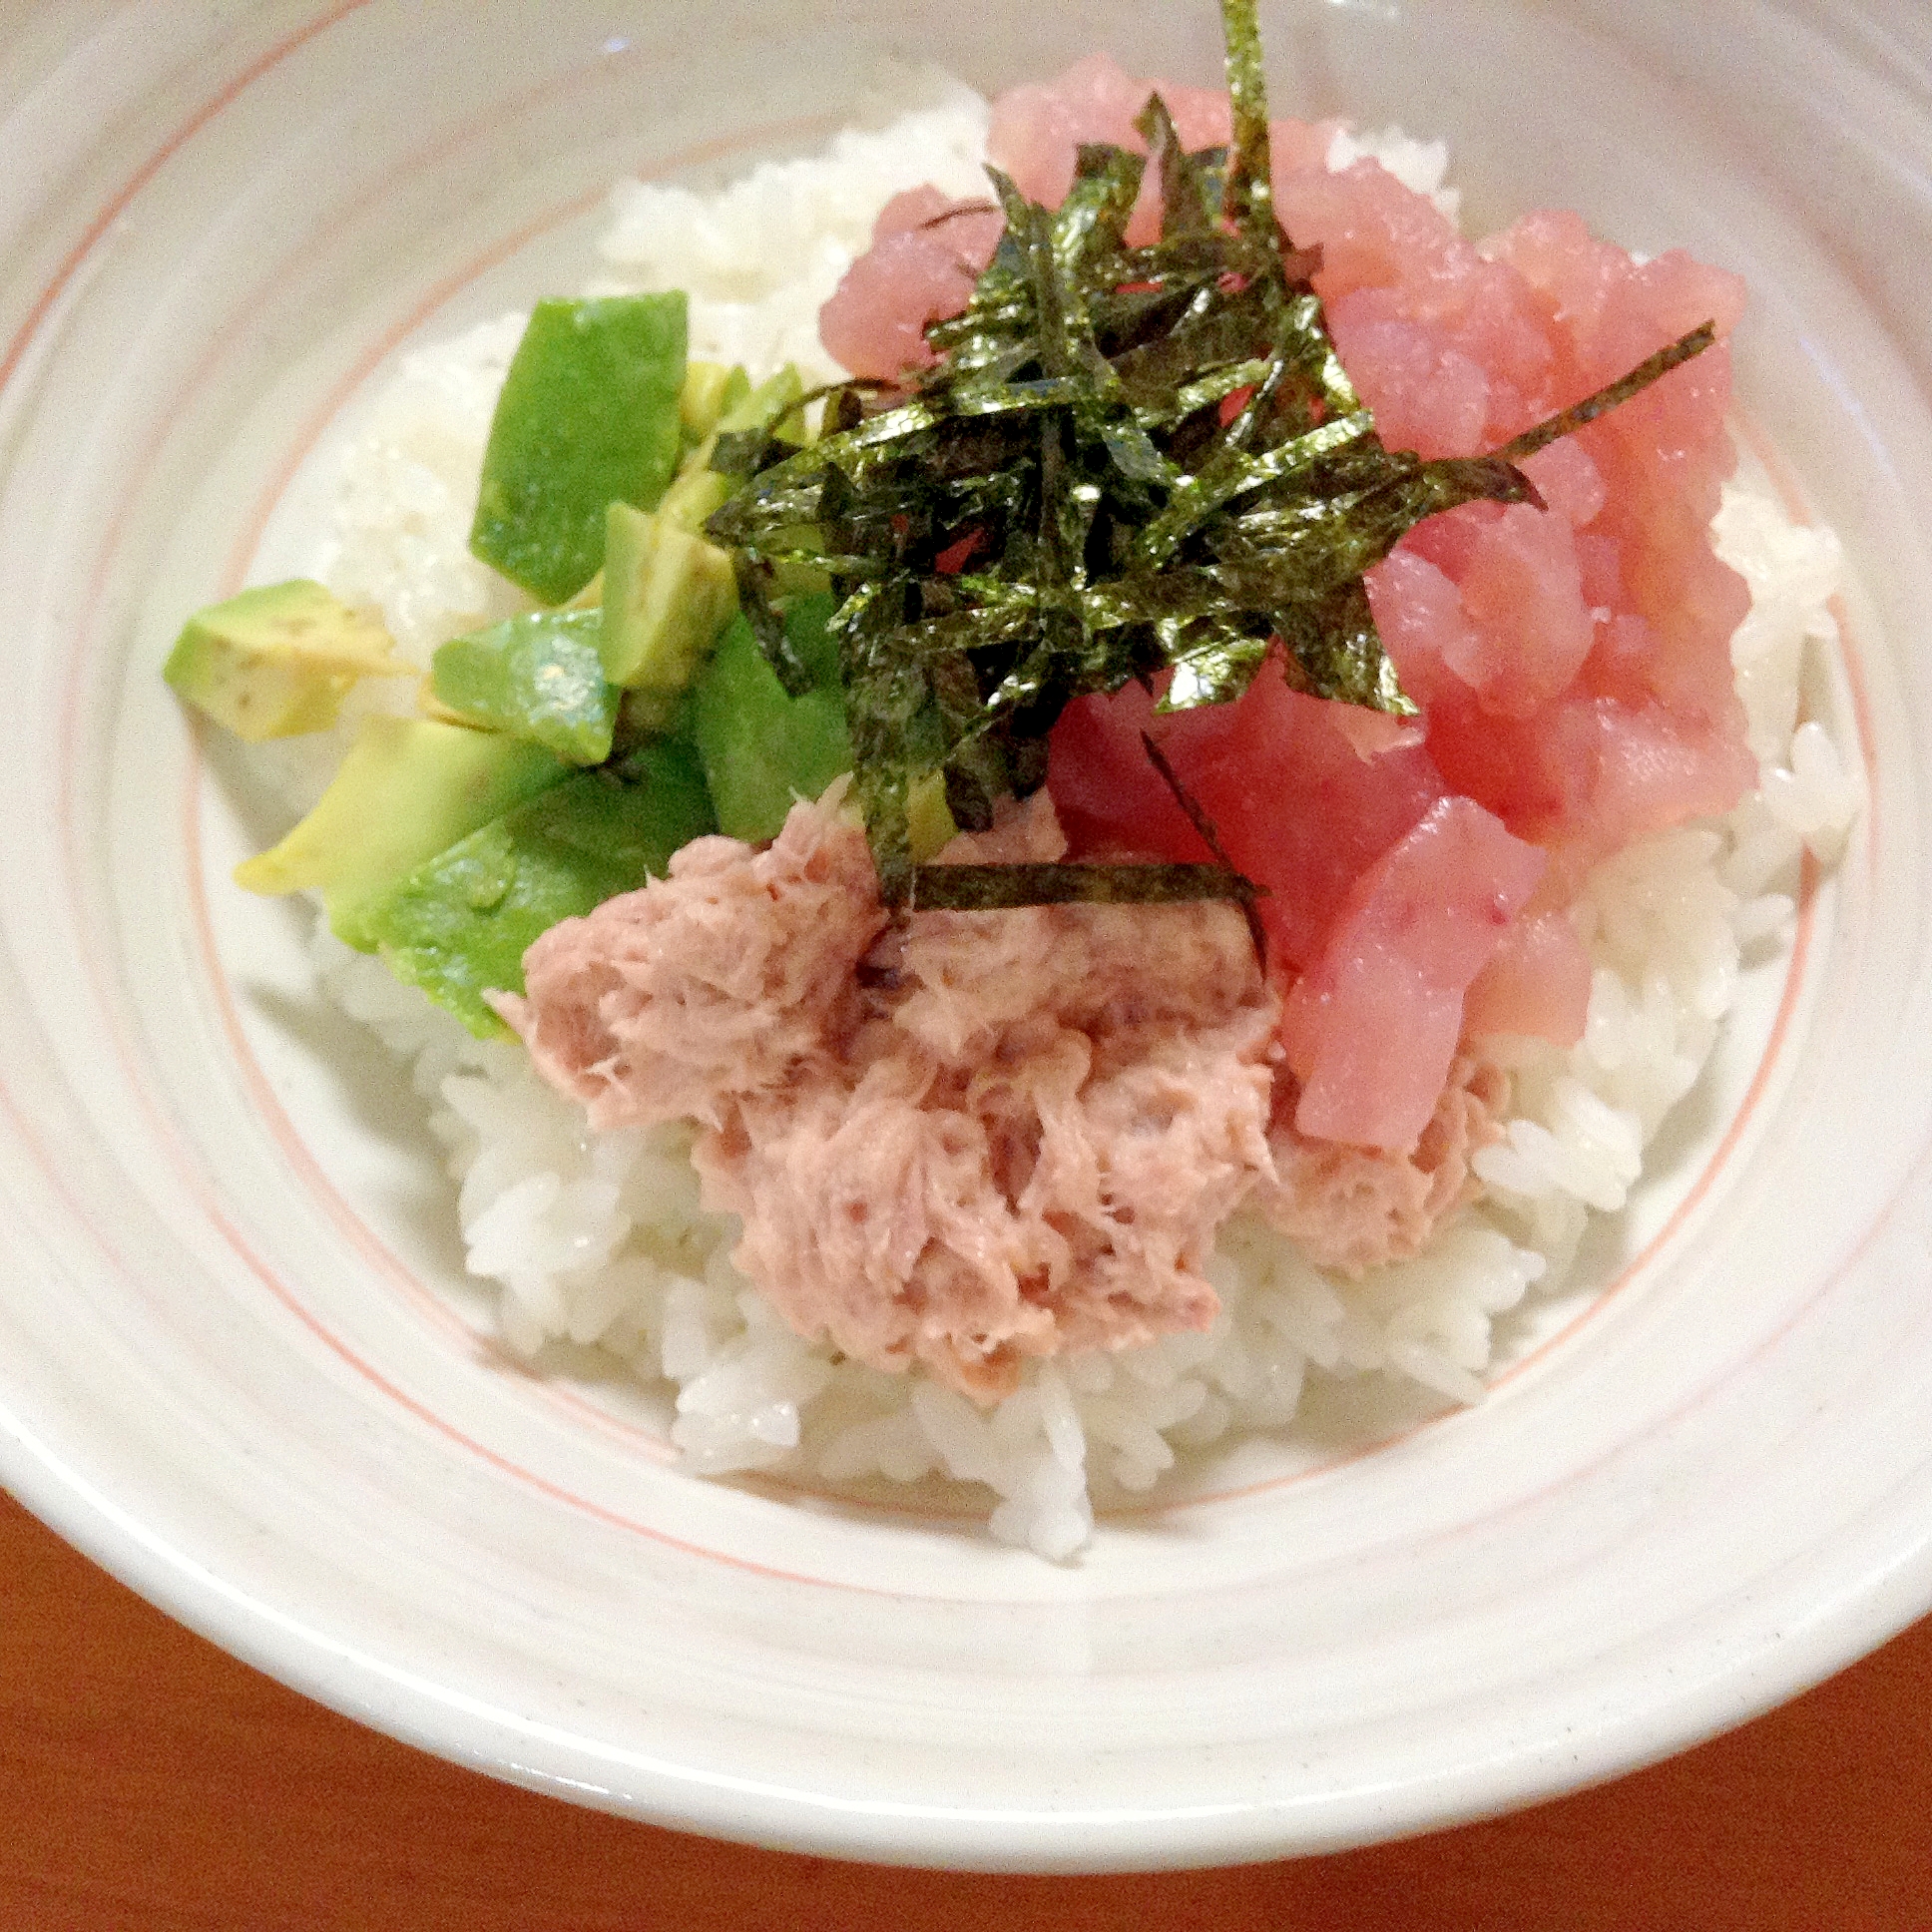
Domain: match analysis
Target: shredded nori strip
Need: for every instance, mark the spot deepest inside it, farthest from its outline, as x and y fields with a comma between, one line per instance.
x=1552, y=428
x=989, y=888
x=1129, y=464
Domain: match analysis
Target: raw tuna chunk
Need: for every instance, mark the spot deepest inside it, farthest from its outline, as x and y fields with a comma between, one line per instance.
x=1418, y=312
x=927, y=251
x=1371, y=1029
x=1037, y=131
x=1105, y=789
x=1521, y=592
x=1604, y=626
x=1303, y=795
x=1537, y=982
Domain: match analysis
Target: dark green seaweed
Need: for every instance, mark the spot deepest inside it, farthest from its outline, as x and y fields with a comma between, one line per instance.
x=991, y=888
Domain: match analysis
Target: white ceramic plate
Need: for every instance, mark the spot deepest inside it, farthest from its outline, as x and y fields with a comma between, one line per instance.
x=238, y=1362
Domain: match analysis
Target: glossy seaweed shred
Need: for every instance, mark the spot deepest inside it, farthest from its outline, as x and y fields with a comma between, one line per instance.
x=1128, y=463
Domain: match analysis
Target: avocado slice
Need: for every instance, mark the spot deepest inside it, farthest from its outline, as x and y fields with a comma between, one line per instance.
x=408, y=789
x=459, y=924
x=760, y=748
x=537, y=677
x=277, y=659
x=667, y=594
x=588, y=416
x=749, y=424
x=710, y=391
x=690, y=500
x=772, y=408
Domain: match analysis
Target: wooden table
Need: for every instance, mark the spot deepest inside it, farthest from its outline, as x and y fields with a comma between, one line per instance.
x=149, y=1782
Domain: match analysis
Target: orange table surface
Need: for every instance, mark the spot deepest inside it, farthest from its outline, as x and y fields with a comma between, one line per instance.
x=150, y=1783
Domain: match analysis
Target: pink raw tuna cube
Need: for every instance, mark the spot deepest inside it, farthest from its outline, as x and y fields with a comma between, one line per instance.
x=926, y=253
x=1371, y=1029
x=1537, y=982
x=1303, y=795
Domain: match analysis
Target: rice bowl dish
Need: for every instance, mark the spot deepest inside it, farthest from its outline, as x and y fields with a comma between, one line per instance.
x=246, y=1365
x=599, y=1237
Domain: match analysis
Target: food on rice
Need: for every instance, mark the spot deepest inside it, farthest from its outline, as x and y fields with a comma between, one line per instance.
x=1500, y=939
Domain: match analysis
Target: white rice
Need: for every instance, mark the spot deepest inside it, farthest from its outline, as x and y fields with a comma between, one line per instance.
x=600, y=1238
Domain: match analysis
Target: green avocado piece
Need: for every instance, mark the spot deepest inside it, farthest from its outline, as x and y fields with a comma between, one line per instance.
x=588, y=416
x=809, y=627
x=710, y=391
x=773, y=406
x=277, y=659
x=691, y=499
x=459, y=924
x=743, y=439
x=667, y=594
x=761, y=748
x=537, y=677
x=408, y=789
